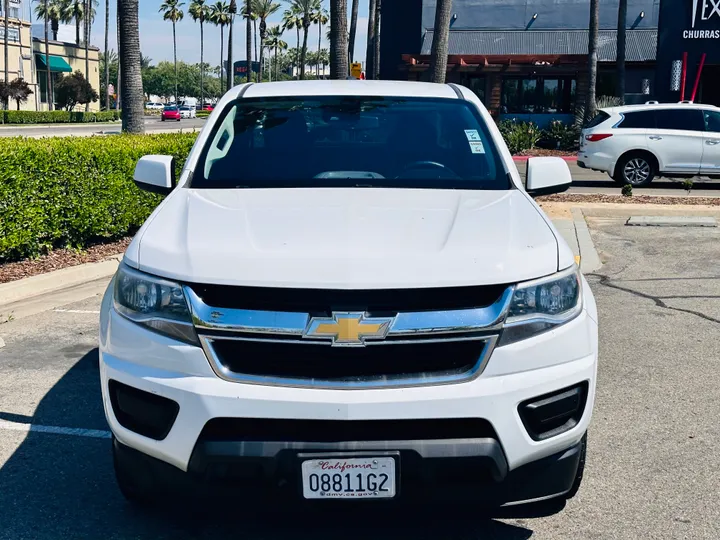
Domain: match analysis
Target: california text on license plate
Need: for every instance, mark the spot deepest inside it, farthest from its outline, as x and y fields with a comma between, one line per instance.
x=351, y=478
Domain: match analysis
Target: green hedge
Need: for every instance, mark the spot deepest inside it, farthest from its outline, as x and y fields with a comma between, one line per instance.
x=57, y=117
x=72, y=191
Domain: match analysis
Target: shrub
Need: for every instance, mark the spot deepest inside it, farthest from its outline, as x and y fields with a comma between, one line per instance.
x=626, y=190
x=57, y=117
x=562, y=136
x=519, y=136
x=203, y=114
x=71, y=191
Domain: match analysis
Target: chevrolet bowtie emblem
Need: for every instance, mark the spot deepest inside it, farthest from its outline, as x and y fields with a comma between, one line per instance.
x=349, y=329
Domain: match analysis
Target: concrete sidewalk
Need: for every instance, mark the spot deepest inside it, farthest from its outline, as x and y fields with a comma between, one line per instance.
x=576, y=233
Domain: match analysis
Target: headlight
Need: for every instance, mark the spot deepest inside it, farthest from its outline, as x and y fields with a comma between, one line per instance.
x=155, y=303
x=542, y=304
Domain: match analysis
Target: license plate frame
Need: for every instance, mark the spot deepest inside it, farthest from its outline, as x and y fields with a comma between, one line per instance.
x=382, y=456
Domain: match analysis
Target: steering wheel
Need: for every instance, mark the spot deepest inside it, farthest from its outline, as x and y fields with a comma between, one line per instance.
x=428, y=165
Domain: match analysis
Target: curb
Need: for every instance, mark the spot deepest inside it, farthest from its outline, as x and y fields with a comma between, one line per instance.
x=30, y=287
x=564, y=158
x=589, y=258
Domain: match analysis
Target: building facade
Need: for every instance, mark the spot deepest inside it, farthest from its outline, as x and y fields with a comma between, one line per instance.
x=26, y=55
x=525, y=59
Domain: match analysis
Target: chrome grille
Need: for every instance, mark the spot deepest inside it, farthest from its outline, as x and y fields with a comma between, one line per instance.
x=421, y=348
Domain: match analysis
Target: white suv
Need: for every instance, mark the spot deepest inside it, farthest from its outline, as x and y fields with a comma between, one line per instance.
x=635, y=143
x=350, y=294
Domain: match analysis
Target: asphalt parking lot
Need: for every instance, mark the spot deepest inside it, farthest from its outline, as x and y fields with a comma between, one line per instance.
x=652, y=459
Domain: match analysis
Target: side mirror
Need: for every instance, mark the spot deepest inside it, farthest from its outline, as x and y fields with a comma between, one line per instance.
x=547, y=175
x=155, y=174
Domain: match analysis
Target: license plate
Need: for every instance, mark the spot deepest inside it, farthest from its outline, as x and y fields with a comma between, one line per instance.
x=351, y=478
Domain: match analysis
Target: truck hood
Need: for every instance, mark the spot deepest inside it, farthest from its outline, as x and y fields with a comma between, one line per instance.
x=346, y=238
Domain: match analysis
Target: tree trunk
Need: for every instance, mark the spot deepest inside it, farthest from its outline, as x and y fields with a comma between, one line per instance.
x=132, y=88
x=107, y=59
x=222, y=52
x=6, y=47
x=55, y=25
x=77, y=28
x=175, y=60
x=202, y=66
x=303, y=51
x=88, y=23
x=353, y=30
x=263, y=35
x=621, y=42
x=378, y=28
x=338, y=43
x=297, y=52
x=255, y=37
x=591, y=103
x=248, y=40
x=118, y=91
x=230, y=68
x=370, y=52
x=441, y=36
x=319, y=47
x=49, y=89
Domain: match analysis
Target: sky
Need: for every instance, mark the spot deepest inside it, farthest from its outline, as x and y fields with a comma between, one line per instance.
x=156, y=34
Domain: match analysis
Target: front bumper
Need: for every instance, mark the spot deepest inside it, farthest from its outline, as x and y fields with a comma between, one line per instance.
x=561, y=358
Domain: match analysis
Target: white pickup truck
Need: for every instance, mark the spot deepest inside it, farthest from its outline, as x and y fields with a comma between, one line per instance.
x=347, y=294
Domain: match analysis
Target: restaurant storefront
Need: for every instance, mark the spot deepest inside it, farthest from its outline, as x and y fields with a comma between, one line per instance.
x=528, y=59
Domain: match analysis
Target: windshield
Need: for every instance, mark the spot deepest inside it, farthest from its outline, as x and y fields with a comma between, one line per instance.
x=350, y=141
x=171, y=108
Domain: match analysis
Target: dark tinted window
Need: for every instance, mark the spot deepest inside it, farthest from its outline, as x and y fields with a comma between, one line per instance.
x=712, y=121
x=638, y=120
x=598, y=119
x=688, y=119
x=171, y=108
x=350, y=141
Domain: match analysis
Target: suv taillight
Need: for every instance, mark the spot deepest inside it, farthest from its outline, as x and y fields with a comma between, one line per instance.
x=595, y=137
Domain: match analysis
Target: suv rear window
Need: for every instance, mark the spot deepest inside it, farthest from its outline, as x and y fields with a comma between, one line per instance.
x=598, y=119
x=638, y=120
x=349, y=141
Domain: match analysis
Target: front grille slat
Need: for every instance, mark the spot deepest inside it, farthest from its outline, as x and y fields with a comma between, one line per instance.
x=376, y=302
x=320, y=362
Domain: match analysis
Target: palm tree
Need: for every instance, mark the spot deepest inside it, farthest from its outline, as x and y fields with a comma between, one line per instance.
x=230, y=67
x=263, y=9
x=48, y=81
x=591, y=104
x=254, y=19
x=353, y=30
x=107, y=64
x=306, y=9
x=220, y=16
x=370, y=52
x=200, y=13
x=274, y=42
x=74, y=10
x=441, y=37
x=171, y=12
x=621, y=39
x=339, y=39
x=132, y=88
x=54, y=11
x=322, y=17
x=291, y=19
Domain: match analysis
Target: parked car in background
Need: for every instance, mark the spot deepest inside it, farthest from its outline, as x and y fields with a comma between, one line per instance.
x=396, y=320
x=150, y=105
x=208, y=107
x=170, y=112
x=187, y=112
x=636, y=143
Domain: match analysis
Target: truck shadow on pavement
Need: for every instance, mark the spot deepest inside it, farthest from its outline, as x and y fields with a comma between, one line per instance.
x=62, y=486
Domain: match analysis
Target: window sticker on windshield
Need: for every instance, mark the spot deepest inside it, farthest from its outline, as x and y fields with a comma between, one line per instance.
x=472, y=134
x=476, y=147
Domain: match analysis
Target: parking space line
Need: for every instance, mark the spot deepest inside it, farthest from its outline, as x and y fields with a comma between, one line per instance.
x=76, y=311
x=6, y=425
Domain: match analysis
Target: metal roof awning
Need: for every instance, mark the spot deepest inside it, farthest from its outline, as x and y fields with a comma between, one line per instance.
x=57, y=64
x=641, y=44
